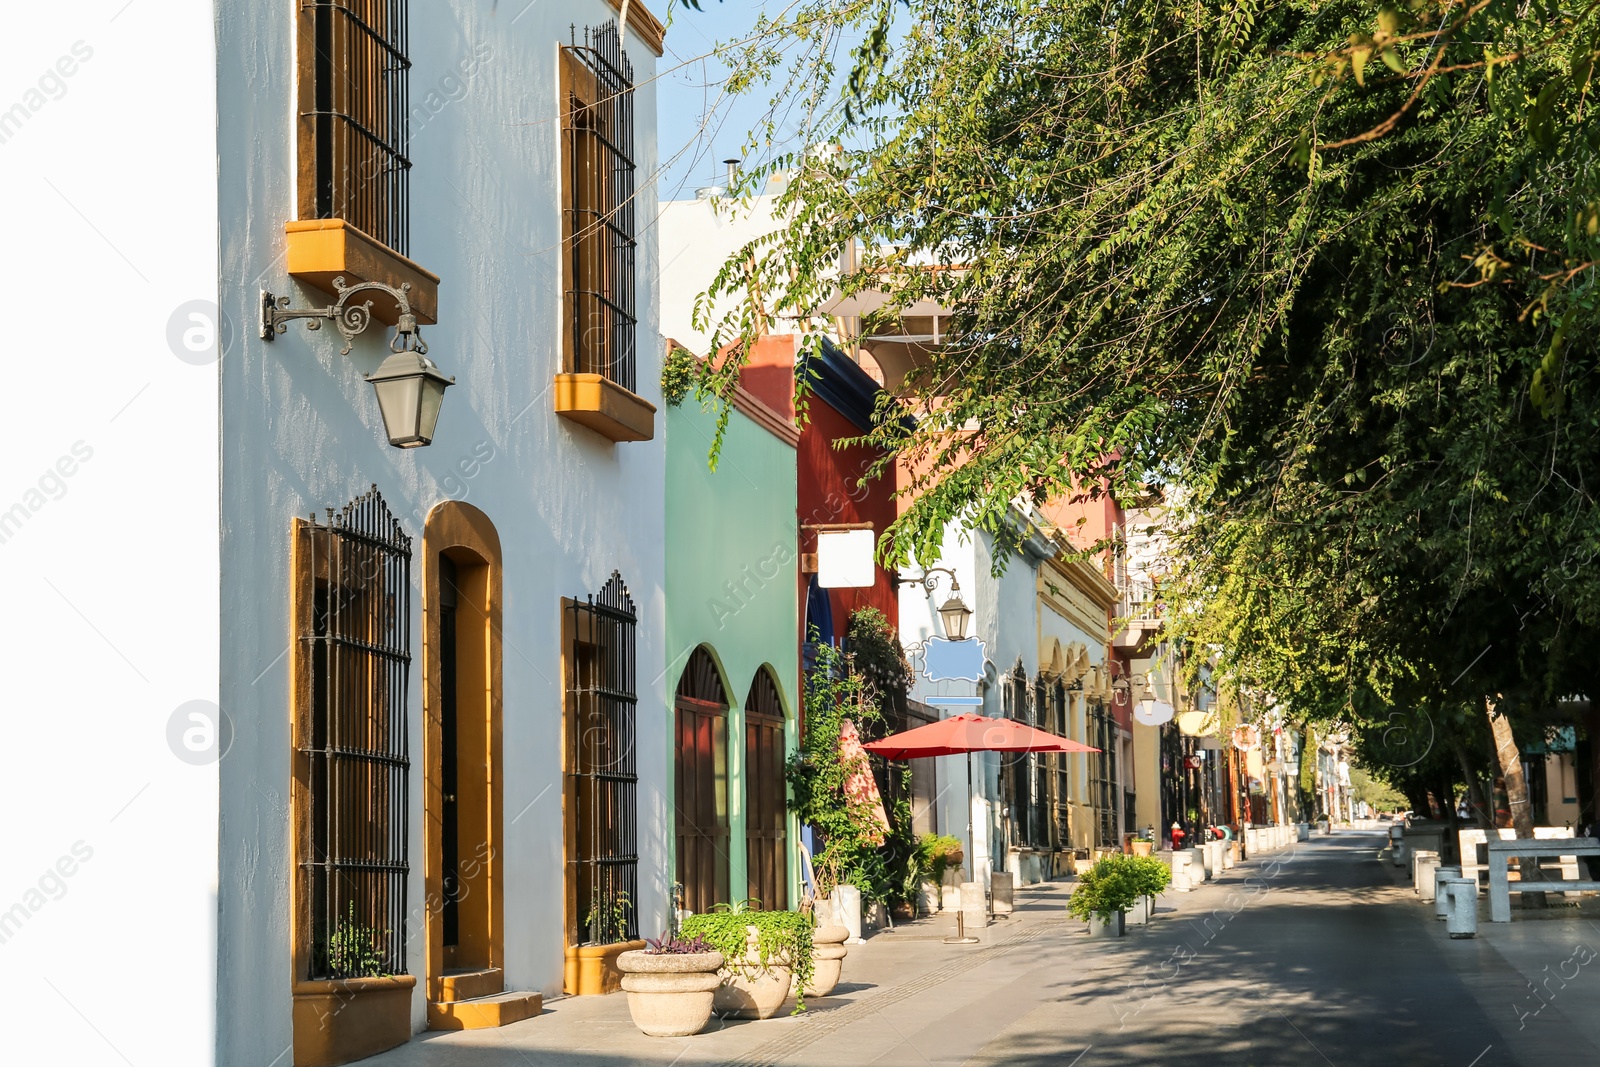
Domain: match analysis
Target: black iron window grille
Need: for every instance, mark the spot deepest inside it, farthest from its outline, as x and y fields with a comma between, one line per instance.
x=602, y=767
x=1103, y=774
x=1040, y=770
x=354, y=107
x=1018, y=767
x=601, y=217
x=1063, y=794
x=356, y=750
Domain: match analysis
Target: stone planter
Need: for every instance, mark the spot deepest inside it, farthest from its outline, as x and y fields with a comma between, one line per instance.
x=670, y=994
x=1143, y=848
x=828, y=959
x=1139, y=914
x=1099, y=927
x=752, y=991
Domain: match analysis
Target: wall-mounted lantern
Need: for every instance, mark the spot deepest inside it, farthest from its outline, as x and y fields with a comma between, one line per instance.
x=954, y=613
x=409, y=385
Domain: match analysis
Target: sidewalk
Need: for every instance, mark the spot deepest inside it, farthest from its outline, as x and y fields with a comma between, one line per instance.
x=904, y=994
x=1317, y=953
x=890, y=969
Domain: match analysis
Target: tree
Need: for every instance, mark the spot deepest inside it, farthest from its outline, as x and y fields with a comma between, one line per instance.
x=1329, y=267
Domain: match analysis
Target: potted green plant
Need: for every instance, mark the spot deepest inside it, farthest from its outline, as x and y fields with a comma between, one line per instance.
x=937, y=855
x=1151, y=878
x=1104, y=894
x=671, y=984
x=765, y=953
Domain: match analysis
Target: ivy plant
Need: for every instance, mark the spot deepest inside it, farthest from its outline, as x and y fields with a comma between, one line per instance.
x=783, y=939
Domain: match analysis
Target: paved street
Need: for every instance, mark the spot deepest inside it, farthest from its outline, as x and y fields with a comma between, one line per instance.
x=1313, y=954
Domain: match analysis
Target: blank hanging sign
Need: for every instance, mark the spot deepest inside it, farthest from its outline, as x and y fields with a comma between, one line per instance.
x=844, y=559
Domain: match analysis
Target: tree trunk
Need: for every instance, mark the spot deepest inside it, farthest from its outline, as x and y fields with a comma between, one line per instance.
x=1505, y=749
x=1480, y=810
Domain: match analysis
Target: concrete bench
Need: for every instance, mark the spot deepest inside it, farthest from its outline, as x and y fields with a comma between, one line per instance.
x=1471, y=841
x=1500, y=885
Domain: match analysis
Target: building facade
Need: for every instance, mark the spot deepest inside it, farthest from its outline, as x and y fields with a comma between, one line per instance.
x=733, y=626
x=416, y=696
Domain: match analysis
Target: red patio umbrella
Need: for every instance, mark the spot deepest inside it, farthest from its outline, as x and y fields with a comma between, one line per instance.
x=969, y=734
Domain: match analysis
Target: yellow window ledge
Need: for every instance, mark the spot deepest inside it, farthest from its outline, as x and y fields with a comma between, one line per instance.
x=605, y=407
x=321, y=250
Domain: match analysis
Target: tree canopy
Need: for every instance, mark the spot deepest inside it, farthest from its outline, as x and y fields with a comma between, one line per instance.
x=1328, y=266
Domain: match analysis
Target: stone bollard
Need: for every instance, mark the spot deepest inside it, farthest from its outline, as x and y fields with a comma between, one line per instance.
x=974, y=915
x=1229, y=852
x=1441, y=902
x=1397, y=852
x=1208, y=859
x=1462, y=922
x=848, y=899
x=1180, y=870
x=1302, y=831
x=1416, y=858
x=1427, y=863
x=1251, y=841
x=1197, y=865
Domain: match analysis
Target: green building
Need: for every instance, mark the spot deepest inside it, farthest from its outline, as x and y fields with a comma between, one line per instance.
x=733, y=645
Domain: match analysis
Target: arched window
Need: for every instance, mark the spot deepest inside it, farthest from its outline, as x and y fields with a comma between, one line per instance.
x=602, y=768
x=352, y=598
x=701, y=783
x=766, y=818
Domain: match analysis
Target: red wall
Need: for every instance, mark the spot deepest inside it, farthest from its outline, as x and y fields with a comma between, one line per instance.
x=828, y=489
x=830, y=492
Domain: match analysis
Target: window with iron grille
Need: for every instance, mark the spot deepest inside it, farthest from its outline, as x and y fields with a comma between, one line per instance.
x=1017, y=767
x=354, y=101
x=1039, y=765
x=1103, y=791
x=598, y=202
x=353, y=753
x=1062, y=809
x=602, y=768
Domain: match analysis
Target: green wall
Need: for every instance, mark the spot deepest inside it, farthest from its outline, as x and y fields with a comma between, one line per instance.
x=733, y=583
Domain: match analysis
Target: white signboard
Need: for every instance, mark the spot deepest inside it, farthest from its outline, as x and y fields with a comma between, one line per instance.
x=1152, y=712
x=844, y=559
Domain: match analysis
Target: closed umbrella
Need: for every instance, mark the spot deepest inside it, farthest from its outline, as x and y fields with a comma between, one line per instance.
x=969, y=734
x=860, y=788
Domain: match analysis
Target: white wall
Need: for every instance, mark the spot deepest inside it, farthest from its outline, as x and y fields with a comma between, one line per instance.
x=108, y=572
x=302, y=432
x=697, y=237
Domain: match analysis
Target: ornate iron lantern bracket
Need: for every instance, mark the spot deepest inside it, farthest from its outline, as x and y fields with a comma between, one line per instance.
x=351, y=319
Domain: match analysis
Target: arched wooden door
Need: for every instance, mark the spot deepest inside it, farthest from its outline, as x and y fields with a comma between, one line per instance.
x=766, y=819
x=701, y=783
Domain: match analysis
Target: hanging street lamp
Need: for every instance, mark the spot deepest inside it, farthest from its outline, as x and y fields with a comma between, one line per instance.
x=954, y=613
x=410, y=387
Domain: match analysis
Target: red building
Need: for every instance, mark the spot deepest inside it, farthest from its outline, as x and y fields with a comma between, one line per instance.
x=836, y=484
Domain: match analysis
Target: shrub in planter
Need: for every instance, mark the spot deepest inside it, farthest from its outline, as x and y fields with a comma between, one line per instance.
x=671, y=985
x=1151, y=878
x=1107, y=889
x=936, y=854
x=762, y=951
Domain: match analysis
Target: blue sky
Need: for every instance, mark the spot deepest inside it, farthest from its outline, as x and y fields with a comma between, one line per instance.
x=691, y=79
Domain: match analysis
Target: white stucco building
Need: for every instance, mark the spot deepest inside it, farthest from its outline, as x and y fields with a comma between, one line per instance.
x=355, y=728
x=1043, y=628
